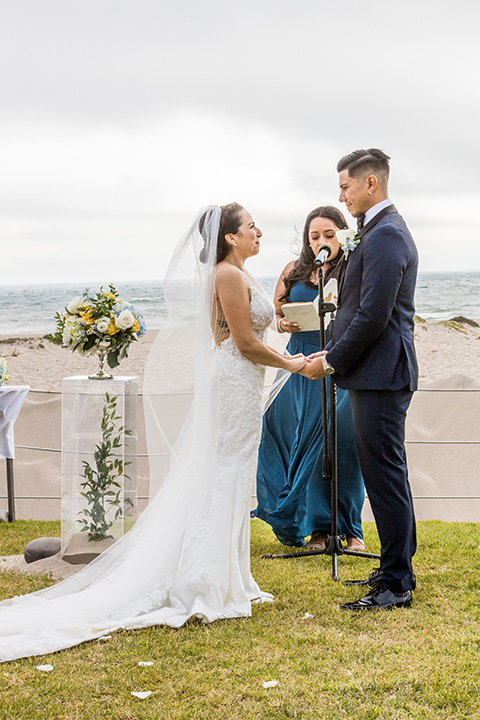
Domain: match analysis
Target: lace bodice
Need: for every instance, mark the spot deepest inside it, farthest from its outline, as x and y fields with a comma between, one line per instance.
x=262, y=312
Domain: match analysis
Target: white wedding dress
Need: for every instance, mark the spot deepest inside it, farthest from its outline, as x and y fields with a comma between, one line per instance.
x=188, y=556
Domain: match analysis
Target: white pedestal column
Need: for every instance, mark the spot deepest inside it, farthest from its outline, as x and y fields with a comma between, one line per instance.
x=99, y=463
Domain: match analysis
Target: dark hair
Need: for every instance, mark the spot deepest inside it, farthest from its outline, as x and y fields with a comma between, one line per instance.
x=304, y=266
x=230, y=221
x=371, y=161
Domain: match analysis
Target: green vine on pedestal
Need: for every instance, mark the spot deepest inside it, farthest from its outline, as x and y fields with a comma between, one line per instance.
x=101, y=488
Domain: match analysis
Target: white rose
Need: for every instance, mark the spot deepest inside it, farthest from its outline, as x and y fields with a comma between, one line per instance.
x=103, y=324
x=74, y=305
x=125, y=320
x=344, y=236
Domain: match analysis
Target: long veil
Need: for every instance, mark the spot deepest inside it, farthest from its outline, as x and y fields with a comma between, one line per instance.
x=135, y=582
x=177, y=380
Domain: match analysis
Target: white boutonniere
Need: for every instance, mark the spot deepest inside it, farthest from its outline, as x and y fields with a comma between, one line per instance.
x=348, y=240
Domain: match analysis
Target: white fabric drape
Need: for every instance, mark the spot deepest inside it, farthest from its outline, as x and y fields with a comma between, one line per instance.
x=11, y=401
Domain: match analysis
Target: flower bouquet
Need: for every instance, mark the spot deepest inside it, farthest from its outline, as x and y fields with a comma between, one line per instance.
x=100, y=324
x=3, y=371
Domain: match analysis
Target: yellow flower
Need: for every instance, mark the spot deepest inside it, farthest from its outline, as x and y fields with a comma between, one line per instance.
x=110, y=295
x=87, y=316
x=136, y=326
x=112, y=328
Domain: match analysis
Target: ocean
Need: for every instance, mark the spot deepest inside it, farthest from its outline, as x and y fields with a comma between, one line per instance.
x=31, y=308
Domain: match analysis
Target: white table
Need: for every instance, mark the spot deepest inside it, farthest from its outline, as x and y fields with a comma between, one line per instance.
x=11, y=401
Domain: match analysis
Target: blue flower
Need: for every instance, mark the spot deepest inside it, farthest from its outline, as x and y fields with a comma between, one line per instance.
x=348, y=240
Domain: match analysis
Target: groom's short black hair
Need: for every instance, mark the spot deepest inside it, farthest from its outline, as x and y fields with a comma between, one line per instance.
x=372, y=161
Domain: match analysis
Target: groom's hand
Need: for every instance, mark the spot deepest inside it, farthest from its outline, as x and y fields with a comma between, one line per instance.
x=314, y=369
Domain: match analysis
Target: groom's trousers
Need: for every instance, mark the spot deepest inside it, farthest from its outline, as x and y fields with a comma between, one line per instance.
x=379, y=417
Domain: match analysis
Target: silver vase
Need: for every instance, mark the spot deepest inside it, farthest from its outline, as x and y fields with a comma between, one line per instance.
x=100, y=374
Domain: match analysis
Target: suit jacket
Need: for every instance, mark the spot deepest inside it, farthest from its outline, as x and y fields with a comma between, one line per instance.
x=372, y=345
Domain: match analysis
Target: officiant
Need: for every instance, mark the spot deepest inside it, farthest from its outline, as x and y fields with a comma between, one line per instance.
x=292, y=495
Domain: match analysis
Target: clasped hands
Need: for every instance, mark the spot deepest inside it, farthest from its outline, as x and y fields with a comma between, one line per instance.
x=313, y=368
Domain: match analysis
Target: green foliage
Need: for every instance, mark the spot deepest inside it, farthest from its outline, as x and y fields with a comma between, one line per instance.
x=57, y=335
x=101, y=488
x=452, y=325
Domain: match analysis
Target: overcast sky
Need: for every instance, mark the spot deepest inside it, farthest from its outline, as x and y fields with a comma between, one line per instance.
x=119, y=119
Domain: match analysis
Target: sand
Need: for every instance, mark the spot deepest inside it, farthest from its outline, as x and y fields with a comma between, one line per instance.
x=33, y=360
x=444, y=475
x=444, y=349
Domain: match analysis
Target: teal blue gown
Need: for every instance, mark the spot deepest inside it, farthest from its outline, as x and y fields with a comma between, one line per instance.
x=292, y=495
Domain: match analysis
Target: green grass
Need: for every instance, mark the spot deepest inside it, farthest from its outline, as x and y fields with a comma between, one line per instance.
x=14, y=536
x=422, y=662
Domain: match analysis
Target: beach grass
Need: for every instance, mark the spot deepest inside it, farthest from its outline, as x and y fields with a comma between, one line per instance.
x=421, y=662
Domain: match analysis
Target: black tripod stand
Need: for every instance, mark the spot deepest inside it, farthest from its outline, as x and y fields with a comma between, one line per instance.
x=333, y=546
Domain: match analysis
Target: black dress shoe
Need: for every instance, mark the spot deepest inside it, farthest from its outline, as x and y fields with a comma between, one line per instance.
x=374, y=578
x=380, y=599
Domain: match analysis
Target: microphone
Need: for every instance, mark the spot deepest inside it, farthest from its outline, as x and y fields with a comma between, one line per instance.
x=324, y=252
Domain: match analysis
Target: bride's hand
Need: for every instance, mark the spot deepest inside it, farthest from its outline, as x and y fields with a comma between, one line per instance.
x=297, y=363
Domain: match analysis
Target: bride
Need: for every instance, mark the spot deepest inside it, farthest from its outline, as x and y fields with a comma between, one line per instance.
x=188, y=554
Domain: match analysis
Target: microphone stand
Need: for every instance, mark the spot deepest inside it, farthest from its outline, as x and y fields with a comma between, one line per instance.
x=333, y=546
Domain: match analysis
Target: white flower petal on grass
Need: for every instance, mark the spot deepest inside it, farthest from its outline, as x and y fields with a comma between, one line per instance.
x=307, y=616
x=145, y=663
x=45, y=668
x=270, y=683
x=142, y=695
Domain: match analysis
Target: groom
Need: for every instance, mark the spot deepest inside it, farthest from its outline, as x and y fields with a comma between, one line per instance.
x=372, y=355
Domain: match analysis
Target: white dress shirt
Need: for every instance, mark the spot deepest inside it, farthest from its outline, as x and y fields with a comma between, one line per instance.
x=375, y=209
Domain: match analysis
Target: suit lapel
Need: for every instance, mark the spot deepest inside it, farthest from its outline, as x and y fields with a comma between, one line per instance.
x=389, y=210
x=376, y=218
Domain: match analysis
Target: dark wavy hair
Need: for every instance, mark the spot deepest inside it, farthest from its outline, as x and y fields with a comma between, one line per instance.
x=304, y=266
x=230, y=221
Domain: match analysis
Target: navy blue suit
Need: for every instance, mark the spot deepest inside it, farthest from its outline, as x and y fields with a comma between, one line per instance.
x=372, y=351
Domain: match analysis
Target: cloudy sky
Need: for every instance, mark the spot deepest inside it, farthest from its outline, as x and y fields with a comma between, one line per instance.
x=119, y=119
